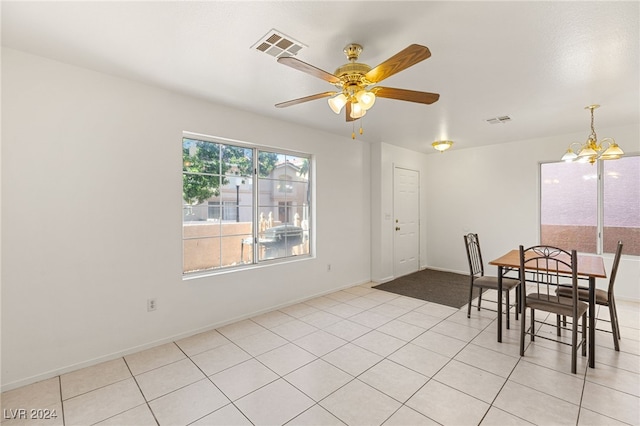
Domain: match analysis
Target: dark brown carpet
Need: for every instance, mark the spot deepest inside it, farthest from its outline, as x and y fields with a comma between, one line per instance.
x=445, y=288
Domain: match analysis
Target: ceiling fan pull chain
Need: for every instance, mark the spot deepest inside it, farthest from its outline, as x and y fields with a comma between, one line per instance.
x=353, y=130
x=361, y=131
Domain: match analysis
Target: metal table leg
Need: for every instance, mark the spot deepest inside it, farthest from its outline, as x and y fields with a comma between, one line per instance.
x=500, y=303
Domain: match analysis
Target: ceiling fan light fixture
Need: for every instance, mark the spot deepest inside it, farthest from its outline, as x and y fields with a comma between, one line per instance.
x=366, y=99
x=442, y=146
x=337, y=103
x=357, y=111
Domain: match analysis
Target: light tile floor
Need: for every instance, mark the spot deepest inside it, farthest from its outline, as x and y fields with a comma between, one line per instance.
x=358, y=357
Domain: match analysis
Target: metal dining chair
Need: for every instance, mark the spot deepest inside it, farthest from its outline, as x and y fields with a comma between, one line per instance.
x=550, y=268
x=604, y=298
x=483, y=282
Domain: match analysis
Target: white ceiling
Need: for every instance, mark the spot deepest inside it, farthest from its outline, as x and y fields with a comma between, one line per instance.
x=540, y=63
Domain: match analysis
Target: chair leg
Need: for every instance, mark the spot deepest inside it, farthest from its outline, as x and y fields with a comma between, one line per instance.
x=558, y=325
x=612, y=302
x=574, y=344
x=584, y=334
x=522, y=330
x=613, y=317
x=517, y=301
x=508, y=308
x=615, y=308
x=480, y=299
x=533, y=325
x=470, y=299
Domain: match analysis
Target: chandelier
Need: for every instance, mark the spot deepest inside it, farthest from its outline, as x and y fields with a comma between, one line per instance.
x=593, y=149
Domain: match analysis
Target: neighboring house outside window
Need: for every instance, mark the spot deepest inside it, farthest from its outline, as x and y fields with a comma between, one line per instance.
x=232, y=205
x=591, y=207
x=284, y=184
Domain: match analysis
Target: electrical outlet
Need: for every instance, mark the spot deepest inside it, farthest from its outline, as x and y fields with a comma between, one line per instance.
x=152, y=304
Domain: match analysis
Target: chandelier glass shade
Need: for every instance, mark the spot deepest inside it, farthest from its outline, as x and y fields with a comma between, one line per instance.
x=592, y=149
x=442, y=146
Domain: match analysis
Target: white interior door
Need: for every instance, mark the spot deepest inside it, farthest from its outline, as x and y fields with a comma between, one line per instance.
x=406, y=212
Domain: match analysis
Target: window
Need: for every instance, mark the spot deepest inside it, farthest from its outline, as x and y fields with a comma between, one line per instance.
x=233, y=206
x=621, y=197
x=568, y=210
x=580, y=211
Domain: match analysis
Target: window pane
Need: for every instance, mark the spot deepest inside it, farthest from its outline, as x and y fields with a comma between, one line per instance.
x=568, y=206
x=201, y=156
x=283, y=197
x=238, y=161
x=300, y=172
x=281, y=241
x=210, y=253
x=200, y=253
x=266, y=163
x=237, y=199
x=622, y=205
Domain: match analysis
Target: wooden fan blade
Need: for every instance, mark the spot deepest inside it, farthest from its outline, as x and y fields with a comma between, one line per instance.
x=305, y=99
x=405, y=95
x=398, y=62
x=347, y=112
x=309, y=69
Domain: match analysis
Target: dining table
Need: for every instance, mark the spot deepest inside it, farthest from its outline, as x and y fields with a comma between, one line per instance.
x=590, y=267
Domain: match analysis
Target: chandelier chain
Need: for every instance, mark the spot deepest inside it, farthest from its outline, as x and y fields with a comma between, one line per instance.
x=593, y=135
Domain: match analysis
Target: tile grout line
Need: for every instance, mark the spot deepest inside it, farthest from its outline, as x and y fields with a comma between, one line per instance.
x=141, y=393
x=61, y=400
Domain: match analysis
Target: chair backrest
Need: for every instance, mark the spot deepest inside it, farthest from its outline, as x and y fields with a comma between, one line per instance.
x=614, y=268
x=474, y=255
x=549, y=268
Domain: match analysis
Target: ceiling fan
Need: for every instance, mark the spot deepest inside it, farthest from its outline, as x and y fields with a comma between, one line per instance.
x=355, y=81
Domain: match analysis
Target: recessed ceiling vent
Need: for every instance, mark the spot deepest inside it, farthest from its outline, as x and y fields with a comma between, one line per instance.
x=278, y=44
x=498, y=120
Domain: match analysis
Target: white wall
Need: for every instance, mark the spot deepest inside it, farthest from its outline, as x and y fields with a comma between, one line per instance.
x=91, y=218
x=493, y=191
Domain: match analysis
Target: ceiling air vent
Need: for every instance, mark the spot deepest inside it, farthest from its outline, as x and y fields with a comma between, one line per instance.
x=278, y=44
x=497, y=120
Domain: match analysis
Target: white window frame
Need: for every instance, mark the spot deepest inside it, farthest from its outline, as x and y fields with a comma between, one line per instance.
x=256, y=188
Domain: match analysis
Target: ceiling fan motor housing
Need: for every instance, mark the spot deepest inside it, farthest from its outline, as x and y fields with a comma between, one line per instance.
x=352, y=73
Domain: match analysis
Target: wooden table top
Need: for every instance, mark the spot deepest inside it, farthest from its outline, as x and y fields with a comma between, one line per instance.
x=588, y=265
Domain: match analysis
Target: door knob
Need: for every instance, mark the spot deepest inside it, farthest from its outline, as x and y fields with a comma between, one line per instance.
x=397, y=228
